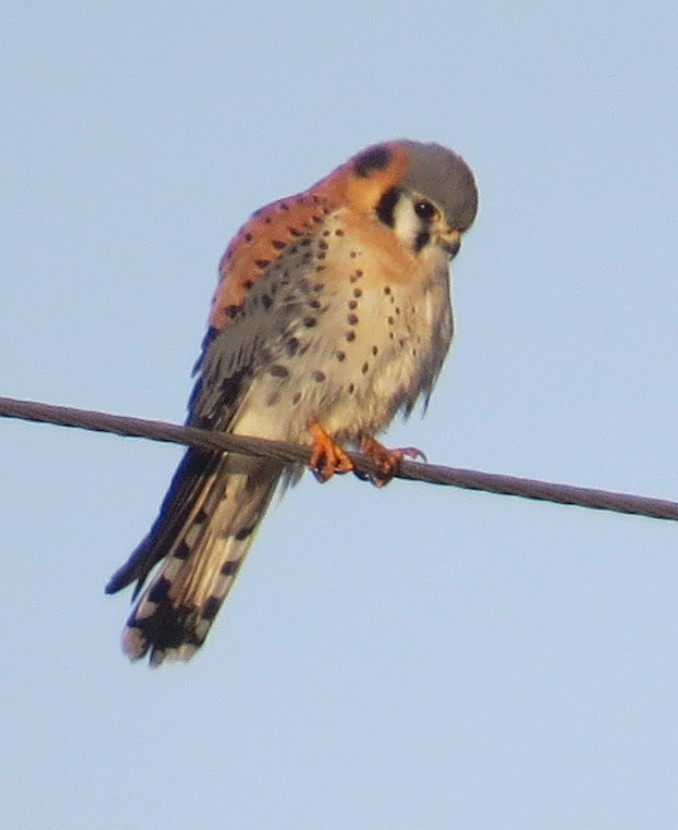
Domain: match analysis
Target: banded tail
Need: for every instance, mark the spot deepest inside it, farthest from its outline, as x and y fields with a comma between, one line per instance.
x=205, y=528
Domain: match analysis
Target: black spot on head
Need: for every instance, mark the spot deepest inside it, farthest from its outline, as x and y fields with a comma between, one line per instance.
x=310, y=322
x=279, y=371
x=376, y=158
x=385, y=208
x=318, y=376
x=266, y=301
x=278, y=244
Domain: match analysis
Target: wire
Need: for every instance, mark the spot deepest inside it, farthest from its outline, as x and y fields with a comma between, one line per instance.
x=295, y=454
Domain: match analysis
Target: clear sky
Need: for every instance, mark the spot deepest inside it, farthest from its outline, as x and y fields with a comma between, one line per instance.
x=416, y=657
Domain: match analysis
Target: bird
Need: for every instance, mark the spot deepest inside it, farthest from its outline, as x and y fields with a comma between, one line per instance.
x=331, y=315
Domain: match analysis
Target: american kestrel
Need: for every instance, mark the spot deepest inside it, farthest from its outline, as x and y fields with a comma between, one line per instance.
x=332, y=313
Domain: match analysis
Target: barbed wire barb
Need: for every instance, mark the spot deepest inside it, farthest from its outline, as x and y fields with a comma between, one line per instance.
x=294, y=454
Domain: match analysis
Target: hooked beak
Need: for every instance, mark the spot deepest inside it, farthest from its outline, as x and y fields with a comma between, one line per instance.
x=450, y=241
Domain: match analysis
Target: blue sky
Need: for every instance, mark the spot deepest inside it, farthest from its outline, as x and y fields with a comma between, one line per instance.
x=412, y=657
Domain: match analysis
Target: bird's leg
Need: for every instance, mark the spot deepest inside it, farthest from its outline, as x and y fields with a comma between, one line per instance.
x=327, y=457
x=387, y=461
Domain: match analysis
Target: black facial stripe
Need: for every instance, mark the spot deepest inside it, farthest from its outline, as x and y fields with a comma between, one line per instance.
x=375, y=159
x=421, y=239
x=385, y=208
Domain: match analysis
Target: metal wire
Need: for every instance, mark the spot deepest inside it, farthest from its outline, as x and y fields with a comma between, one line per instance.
x=294, y=454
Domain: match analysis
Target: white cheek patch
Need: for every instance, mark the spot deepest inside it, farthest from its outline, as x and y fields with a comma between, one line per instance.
x=406, y=225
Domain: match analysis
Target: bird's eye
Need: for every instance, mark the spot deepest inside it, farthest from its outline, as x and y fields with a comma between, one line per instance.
x=425, y=210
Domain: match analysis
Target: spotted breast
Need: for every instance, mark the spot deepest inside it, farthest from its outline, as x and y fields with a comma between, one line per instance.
x=332, y=314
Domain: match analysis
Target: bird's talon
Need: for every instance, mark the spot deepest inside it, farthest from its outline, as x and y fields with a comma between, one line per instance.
x=387, y=461
x=327, y=457
x=410, y=452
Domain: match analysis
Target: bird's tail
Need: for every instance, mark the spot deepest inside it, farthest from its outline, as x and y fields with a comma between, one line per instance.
x=205, y=527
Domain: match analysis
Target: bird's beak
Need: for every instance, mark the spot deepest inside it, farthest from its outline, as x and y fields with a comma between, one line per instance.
x=450, y=241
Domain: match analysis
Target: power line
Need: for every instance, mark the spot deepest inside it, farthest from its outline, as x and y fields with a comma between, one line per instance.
x=295, y=454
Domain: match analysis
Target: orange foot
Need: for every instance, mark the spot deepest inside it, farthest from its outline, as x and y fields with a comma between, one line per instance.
x=327, y=457
x=387, y=461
